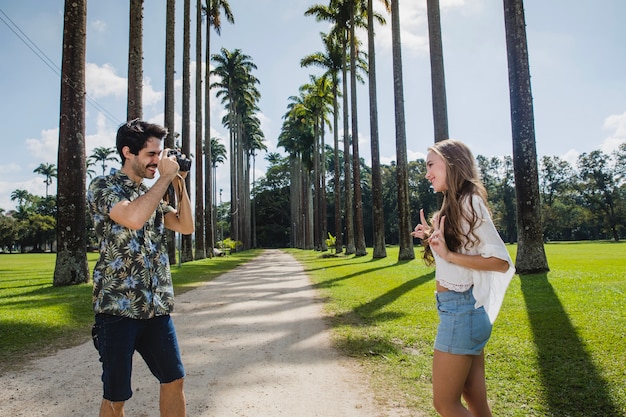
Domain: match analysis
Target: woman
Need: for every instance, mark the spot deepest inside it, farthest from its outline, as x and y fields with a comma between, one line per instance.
x=473, y=270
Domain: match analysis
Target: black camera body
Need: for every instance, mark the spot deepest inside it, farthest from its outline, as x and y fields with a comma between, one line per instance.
x=184, y=163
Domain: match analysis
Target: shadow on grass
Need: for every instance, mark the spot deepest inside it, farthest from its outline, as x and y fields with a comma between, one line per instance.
x=367, y=314
x=572, y=383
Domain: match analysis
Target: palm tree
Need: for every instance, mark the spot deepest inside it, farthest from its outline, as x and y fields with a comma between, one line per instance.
x=217, y=151
x=317, y=99
x=380, y=251
x=338, y=12
x=237, y=88
x=169, y=108
x=103, y=154
x=71, y=261
x=135, y=60
x=531, y=256
x=47, y=170
x=22, y=196
x=186, y=253
x=213, y=11
x=200, y=252
x=437, y=75
x=404, y=211
x=331, y=60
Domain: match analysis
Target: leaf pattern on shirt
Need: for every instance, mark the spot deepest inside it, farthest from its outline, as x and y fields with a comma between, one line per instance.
x=132, y=276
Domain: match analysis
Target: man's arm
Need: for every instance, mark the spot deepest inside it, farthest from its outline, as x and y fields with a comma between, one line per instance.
x=134, y=214
x=181, y=220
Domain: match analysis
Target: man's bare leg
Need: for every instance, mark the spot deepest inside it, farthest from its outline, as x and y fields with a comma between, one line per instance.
x=111, y=408
x=172, y=400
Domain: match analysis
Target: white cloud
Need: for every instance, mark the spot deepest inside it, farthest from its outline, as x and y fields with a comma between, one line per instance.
x=44, y=148
x=99, y=26
x=102, y=81
x=617, y=124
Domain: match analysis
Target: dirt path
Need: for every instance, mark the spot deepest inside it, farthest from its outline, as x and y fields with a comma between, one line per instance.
x=253, y=342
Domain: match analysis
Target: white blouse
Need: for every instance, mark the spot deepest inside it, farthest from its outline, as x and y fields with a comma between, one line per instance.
x=489, y=286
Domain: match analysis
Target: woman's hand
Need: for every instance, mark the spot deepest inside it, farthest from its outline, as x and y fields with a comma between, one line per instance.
x=422, y=230
x=437, y=240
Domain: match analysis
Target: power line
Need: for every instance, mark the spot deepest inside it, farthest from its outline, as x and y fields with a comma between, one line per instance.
x=30, y=44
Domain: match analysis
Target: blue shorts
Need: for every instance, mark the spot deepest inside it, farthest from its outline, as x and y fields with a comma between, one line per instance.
x=463, y=329
x=119, y=337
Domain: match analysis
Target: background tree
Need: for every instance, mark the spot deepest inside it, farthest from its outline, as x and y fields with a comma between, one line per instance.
x=49, y=171
x=437, y=74
x=71, y=261
x=378, y=218
x=531, y=257
x=135, y=61
x=186, y=250
x=406, y=251
x=213, y=11
x=169, y=110
x=103, y=155
x=331, y=61
x=199, y=234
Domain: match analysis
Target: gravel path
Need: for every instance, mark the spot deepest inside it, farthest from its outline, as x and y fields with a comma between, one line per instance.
x=253, y=342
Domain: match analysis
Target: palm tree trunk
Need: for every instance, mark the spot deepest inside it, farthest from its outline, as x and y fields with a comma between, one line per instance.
x=380, y=251
x=209, y=201
x=337, y=170
x=359, y=229
x=437, y=75
x=186, y=245
x=347, y=173
x=135, y=61
x=531, y=257
x=170, y=36
x=402, y=172
x=200, y=252
x=71, y=261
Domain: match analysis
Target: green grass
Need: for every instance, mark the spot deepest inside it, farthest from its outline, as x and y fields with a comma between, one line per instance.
x=558, y=347
x=36, y=318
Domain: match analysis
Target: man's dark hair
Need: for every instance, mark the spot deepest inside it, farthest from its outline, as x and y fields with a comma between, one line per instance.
x=135, y=134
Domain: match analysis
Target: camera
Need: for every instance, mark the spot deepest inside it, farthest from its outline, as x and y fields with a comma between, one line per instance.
x=184, y=163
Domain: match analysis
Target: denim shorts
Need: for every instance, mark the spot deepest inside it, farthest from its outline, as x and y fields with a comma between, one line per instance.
x=463, y=329
x=117, y=340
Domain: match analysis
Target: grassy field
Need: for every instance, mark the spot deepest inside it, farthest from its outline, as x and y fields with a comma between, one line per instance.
x=37, y=319
x=558, y=347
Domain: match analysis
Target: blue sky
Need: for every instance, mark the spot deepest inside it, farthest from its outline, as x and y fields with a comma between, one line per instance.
x=576, y=50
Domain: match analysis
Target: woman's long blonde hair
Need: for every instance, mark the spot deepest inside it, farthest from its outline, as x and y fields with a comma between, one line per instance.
x=463, y=181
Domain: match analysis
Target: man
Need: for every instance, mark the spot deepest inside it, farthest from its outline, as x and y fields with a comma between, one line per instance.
x=133, y=294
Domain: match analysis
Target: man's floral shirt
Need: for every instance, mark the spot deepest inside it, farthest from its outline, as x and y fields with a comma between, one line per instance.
x=132, y=276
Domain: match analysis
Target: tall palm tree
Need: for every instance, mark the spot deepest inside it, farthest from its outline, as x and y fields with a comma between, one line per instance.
x=531, y=256
x=103, y=154
x=49, y=171
x=402, y=172
x=359, y=228
x=297, y=137
x=213, y=12
x=317, y=99
x=186, y=254
x=437, y=75
x=338, y=13
x=200, y=252
x=331, y=60
x=169, y=108
x=71, y=261
x=218, y=156
x=135, y=61
x=237, y=88
x=378, y=218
